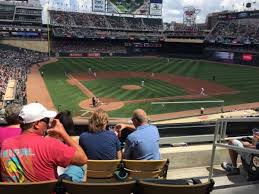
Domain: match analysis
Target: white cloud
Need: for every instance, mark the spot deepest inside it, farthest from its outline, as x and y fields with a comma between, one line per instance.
x=206, y=6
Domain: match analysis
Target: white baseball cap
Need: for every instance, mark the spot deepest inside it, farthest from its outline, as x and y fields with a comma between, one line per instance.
x=35, y=112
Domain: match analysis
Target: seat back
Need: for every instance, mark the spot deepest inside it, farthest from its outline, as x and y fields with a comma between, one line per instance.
x=141, y=169
x=252, y=169
x=101, y=168
x=255, y=161
x=99, y=188
x=145, y=187
x=46, y=187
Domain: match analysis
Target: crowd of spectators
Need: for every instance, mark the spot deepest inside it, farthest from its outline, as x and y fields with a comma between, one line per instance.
x=119, y=22
x=67, y=31
x=181, y=30
x=185, y=34
x=15, y=63
x=73, y=19
x=243, y=32
x=63, y=18
x=81, y=46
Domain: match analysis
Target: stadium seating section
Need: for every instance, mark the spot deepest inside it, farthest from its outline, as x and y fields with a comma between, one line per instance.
x=245, y=32
x=81, y=46
x=93, y=21
x=15, y=64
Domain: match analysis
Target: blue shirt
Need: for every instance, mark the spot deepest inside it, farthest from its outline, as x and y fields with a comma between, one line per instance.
x=100, y=145
x=77, y=173
x=143, y=144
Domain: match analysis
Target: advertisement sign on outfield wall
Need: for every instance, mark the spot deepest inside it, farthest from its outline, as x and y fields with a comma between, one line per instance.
x=247, y=57
x=75, y=55
x=94, y=55
x=98, y=5
x=156, y=7
x=227, y=57
x=91, y=55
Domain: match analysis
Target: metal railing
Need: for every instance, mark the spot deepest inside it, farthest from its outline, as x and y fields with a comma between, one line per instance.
x=220, y=138
x=201, y=138
x=187, y=139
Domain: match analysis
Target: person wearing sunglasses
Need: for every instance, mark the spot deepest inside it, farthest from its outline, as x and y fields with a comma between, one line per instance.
x=31, y=157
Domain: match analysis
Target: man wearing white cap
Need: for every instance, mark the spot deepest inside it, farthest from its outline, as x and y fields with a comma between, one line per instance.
x=31, y=157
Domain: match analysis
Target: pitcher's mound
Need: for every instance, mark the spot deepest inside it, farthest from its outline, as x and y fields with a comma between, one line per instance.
x=131, y=87
x=107, y=104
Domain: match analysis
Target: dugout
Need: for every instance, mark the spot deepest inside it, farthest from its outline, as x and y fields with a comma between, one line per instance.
x=10, y=92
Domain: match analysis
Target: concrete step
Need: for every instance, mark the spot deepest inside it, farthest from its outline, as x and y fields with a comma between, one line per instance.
x=223, y=184
x=220, y=176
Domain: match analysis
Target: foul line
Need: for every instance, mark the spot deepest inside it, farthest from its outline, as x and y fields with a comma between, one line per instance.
x=189, y=102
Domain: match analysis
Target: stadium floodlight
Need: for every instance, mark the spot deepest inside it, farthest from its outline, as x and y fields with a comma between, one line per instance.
x=189, y=17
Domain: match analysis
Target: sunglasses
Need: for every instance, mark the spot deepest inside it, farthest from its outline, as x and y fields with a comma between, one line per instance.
x=45, y=120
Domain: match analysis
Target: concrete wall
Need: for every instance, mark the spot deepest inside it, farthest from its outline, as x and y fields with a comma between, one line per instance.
x=193, y=156
x=36, y=45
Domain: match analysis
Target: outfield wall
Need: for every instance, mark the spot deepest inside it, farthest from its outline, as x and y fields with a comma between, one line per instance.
x=36, y=45
x=234, y=54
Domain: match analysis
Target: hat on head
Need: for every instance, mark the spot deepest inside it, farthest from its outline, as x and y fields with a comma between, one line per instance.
x=35, y=112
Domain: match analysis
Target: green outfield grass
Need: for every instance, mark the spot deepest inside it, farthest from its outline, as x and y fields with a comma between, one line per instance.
x=243, y=79
x=111, y=88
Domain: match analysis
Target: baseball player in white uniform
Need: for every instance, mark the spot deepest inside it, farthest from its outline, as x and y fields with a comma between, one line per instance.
x=202, y=91
x=142, y=84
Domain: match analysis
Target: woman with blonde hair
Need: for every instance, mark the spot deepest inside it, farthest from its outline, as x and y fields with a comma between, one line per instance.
x=99, y=143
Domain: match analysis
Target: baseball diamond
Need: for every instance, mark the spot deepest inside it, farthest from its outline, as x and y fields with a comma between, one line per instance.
x=177, y=80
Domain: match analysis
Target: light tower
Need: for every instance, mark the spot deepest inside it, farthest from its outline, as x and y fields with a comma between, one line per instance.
x=189, y=18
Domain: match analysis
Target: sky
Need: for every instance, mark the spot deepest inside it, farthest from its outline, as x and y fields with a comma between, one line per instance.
x=172, y=9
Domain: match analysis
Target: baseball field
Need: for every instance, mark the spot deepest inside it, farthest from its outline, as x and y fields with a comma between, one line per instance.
x=124, y=84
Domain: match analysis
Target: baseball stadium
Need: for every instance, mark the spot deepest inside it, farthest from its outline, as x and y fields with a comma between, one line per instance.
x=197, y=82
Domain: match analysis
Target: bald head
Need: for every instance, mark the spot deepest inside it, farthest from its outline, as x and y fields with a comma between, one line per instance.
x=139, y=116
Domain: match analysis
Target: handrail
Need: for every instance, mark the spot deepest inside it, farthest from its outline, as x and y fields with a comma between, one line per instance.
x=187, y=139
x=220, y=136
